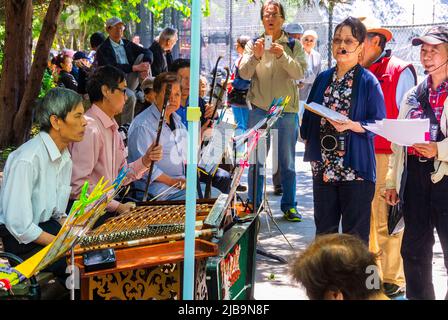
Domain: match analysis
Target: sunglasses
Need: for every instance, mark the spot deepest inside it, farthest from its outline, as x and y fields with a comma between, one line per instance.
x=147, y=90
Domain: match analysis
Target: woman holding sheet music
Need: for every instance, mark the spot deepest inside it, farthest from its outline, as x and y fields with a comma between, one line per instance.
x=418, y=176
x=342, y=153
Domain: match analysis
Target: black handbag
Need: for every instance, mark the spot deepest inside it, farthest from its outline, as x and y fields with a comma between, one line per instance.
x=237, y=97
x=395, y=221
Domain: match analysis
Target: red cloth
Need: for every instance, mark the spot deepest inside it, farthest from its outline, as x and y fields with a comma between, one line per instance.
x=388, y=70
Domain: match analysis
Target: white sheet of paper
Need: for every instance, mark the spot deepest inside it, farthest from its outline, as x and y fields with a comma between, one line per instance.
x=403, y=132
x=325, y=112
x=211, y=155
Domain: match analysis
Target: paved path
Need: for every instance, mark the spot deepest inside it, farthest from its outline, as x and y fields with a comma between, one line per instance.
x=300, y=235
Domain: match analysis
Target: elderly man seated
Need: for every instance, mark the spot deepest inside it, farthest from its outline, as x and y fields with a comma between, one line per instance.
x=36, y=183
x=168, y=176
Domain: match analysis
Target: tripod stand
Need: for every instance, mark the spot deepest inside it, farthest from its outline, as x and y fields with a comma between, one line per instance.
x=264, y=205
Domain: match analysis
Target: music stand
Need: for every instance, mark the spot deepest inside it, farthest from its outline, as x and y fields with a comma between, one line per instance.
x=264, y=205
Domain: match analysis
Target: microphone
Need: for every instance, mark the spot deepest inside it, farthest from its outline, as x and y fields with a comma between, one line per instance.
x=343, y=51
x=431, y=71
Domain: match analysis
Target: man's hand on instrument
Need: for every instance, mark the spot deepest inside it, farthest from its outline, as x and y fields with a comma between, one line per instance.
x=208, y=114
x=428, y=150
x=125, y=207
x=154, y=153
x=180, y=183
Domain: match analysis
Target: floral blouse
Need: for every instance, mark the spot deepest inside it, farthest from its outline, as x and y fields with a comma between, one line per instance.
x=337, y=97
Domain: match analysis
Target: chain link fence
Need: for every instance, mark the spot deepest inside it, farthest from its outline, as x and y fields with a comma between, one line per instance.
x=229, y=19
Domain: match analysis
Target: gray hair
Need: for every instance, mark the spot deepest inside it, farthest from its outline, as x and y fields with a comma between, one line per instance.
x=58, y=102
x=167, y=34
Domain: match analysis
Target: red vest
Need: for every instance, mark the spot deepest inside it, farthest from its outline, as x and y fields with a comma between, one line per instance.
x=387, y=70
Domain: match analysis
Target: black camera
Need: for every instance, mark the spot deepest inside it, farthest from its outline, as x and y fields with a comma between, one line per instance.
x=334, y=141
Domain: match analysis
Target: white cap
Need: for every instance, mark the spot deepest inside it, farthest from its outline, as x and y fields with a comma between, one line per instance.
x=310, y=33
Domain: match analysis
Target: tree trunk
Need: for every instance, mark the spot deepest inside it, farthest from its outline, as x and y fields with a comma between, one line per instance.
x=22, y=121
x=16, y=63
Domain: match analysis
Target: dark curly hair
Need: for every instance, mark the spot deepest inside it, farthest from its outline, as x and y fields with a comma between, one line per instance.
x=338, y=263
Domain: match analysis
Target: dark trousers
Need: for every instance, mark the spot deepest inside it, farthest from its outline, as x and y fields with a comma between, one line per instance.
x=425, y=207
x=349, y=200
x=25, y=251
x=221, y=180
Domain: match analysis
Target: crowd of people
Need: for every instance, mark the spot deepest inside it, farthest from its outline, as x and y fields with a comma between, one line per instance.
x=357, y=176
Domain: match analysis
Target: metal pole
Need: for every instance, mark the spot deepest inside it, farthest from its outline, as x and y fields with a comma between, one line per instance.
x=230, y=31
x=73, y=274
x=330, y=32
x=193, y=117
x=433, y=11
x=413, y=13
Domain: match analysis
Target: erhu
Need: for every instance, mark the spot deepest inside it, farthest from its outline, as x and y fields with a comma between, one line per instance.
x=166, y=100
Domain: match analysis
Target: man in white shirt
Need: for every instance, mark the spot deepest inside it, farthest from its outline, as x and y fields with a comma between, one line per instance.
x=36, y=183
x=309, y=41
x=169, y=174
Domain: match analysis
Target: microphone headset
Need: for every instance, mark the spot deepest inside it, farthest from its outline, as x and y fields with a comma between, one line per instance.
x=431, y=71
x=343, y=51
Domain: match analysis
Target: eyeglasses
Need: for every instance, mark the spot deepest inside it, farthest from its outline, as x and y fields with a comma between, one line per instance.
x=271, y=15
x=348, y=42
x=123, y=91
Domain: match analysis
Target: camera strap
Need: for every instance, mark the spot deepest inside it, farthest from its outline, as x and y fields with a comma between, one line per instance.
x=423, y=99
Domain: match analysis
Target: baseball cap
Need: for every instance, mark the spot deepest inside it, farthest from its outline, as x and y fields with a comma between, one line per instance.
x=80, y=55
x=113, y=21
x=434, y=36
x=373, y=25
x=294, y=28
x=311, y=33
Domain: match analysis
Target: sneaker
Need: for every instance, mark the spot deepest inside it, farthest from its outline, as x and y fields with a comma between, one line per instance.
x=292, y=215
x=392, y=290
x=278, y=191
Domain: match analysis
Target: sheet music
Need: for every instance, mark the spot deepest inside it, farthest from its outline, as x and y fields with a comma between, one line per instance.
x=403, y=132
x=212, y=154
x=325, y=112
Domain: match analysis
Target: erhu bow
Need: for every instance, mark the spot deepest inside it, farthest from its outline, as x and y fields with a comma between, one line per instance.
x=217, y=104
x=215, y=75
x=166, y=100
x=220, y=95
